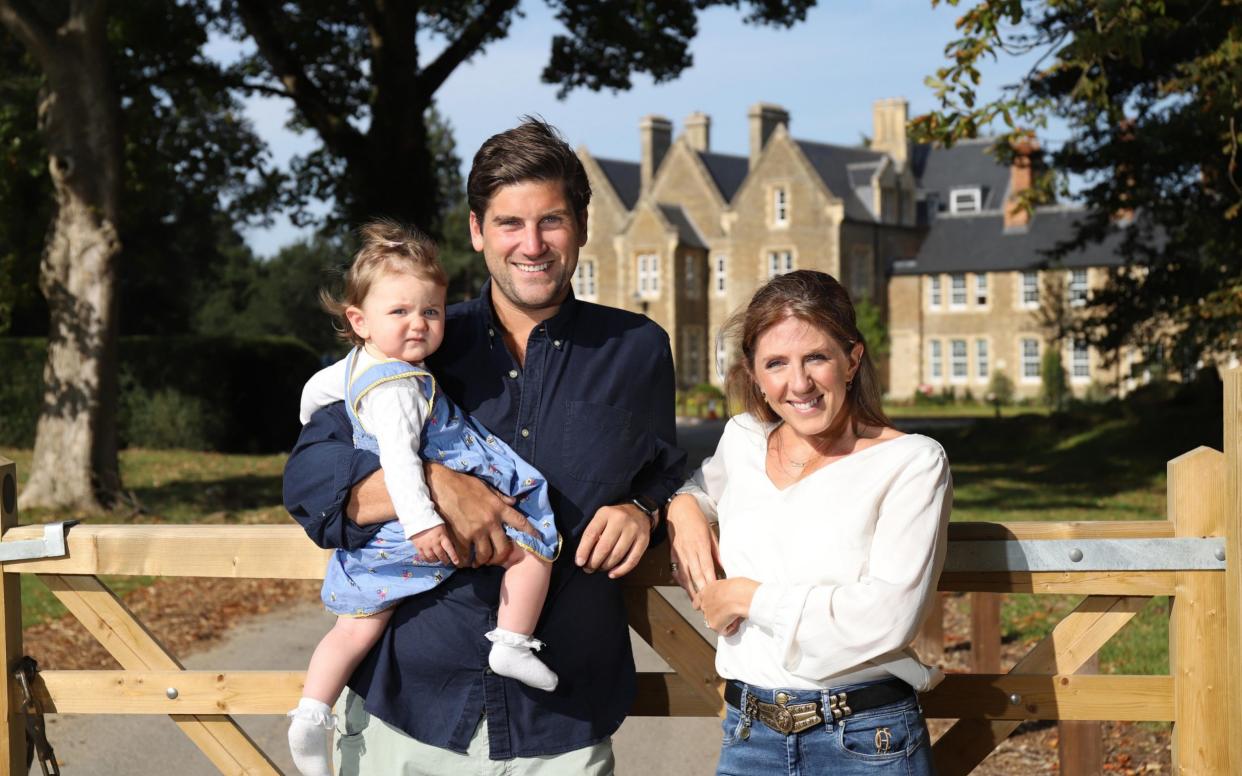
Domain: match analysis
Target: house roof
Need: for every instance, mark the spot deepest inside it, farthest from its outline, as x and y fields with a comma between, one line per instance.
x=687, y=232
x=625, y=177
x=842, y=168
x=966, y=165
x=979, y=242
x=727, y=171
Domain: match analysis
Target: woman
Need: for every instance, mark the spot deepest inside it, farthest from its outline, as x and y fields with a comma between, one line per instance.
x=832, y=536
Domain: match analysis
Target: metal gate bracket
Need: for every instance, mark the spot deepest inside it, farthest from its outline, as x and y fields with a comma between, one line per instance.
x=1187, y=554
x=52, y=545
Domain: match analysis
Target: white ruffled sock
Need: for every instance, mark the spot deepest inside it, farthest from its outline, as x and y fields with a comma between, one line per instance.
x=513, y=655
x=310, y=736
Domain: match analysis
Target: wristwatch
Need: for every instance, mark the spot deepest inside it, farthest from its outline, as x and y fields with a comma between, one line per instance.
x=650, y=507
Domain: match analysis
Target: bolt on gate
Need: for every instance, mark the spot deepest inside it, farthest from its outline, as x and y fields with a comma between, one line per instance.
x=1192, y=556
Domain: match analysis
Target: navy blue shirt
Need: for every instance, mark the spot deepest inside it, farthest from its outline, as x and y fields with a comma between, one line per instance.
x=593, y=410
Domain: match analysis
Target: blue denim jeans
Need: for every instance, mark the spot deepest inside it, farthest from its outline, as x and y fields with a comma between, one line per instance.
x=888, y=739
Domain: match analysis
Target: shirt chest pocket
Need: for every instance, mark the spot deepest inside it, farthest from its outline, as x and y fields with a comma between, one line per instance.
x=601, y=443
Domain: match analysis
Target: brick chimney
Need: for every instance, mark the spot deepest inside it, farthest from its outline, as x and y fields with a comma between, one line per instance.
x=888, y=127
x=699, y=131
x=764, y=119
x=1021, y=178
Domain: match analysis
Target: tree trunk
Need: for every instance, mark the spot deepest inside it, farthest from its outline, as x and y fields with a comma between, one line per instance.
x=75, y=458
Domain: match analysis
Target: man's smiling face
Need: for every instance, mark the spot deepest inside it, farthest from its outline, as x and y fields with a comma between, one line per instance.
x=530, y=238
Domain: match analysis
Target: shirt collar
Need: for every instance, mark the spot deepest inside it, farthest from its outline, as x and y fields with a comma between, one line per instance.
x=557, y=328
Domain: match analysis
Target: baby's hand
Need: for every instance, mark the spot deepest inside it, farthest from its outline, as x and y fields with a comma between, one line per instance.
x=434, y=544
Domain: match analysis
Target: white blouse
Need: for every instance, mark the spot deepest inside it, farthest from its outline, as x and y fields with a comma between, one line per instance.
x=847, y=559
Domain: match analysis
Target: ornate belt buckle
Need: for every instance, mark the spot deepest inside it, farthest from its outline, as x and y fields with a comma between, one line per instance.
x=786, y=719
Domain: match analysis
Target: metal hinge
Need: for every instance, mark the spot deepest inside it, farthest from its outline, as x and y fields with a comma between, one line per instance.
x=36, y=733
x=52, y=545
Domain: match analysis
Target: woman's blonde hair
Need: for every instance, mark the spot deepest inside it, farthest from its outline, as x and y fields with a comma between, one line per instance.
x=819, y=300
x=387, y=247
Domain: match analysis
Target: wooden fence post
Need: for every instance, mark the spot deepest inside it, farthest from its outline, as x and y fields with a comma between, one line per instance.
x=985, y=633
x=13, y=731
x=1233, y=560
x=1198, y=654
x=1080, y=744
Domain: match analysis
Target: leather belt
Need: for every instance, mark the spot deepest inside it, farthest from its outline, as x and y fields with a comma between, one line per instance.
x=787, y=718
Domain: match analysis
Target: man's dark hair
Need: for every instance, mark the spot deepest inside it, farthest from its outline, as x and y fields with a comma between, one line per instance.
x=532, y=151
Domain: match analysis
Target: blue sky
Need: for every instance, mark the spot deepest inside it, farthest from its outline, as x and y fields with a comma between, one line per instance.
x=826, y=72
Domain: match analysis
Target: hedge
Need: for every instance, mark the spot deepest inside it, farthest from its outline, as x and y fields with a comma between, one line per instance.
x=229, y=394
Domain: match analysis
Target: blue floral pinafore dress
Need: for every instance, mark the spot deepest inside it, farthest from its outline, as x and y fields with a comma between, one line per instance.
x=372, y=578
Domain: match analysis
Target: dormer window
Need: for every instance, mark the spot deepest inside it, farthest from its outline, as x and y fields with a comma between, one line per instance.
x=966, y=200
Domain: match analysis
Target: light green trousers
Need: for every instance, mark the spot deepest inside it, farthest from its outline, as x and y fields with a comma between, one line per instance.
x=366, y=746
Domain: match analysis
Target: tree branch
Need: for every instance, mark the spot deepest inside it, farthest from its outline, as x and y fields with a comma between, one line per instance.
x=28, y=26
x=473, y=36
x=327, y=119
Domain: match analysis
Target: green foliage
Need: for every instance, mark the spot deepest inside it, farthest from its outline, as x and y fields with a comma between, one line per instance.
x=1054, y=388
x=338, y=61
x=216, y=393
x=1000, y=388
x=192, y=171
x=870, y=320
x=1149, y=91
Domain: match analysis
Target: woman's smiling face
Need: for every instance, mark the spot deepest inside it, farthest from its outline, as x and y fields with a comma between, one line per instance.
x=802, y=372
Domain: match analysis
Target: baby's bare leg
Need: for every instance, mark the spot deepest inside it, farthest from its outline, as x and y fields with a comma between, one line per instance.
x=522, y=591
x=336, y=657
x=340, y=652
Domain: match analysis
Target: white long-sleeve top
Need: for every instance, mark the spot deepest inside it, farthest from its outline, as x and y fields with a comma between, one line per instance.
x=394, y=412
x=847, y=559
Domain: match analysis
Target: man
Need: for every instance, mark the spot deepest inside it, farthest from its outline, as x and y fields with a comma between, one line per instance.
x=583, y=392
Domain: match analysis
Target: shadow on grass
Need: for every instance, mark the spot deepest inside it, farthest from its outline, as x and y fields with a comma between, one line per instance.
x=1073, y=460
x=188, y=499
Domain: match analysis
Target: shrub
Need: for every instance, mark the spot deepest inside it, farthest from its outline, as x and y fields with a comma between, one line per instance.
x=230, y=394
x=1000, y=388
x=1054, y=390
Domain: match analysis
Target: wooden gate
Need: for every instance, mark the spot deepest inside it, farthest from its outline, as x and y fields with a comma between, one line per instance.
x=1201, y=695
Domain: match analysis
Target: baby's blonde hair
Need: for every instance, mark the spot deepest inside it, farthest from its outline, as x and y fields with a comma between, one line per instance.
x=388, y=247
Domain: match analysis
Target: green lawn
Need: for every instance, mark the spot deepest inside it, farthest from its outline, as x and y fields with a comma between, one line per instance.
x=961, y=410
x=1097, y=464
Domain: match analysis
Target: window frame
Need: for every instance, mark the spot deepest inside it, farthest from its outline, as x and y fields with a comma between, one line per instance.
x=780, y=206
x=935, y=360
x=983, y=290
x=972, y=193
x=1023, y=302
x=1022, y=343
x=982, y=359
x=954, y=279
x=957, y=360
x=720, y=270
x=774, y=262
x=1077, y=293
x=935, y=293
x=647, y=269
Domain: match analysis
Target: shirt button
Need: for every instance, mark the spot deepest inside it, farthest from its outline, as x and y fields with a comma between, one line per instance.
x=556, y=343
x=525, y=432
x=491, y=332
x=513, y=373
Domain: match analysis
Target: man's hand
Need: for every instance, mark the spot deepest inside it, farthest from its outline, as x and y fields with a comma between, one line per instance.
x=614, y=540
x=435, y=544
x=475, y=515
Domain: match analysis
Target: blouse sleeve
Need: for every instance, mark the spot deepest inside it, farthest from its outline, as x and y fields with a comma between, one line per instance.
x=827, y=629
x=708, y=481
x=395, y=412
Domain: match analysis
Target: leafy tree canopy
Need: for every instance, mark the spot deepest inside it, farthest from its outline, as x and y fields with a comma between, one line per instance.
x=192, y=167
x=358, y=77
x=1150, y=92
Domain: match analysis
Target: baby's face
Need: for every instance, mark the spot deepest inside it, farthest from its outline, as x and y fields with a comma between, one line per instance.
x=402, y=317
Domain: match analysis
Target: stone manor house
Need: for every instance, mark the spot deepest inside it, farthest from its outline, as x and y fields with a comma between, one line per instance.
x=685, y=235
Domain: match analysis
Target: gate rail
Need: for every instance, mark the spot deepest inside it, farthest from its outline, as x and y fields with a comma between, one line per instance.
x=1202, y=695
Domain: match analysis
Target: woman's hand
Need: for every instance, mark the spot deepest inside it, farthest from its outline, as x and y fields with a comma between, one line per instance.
x=434, y=544
x=693, y=550
x=726, y=602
